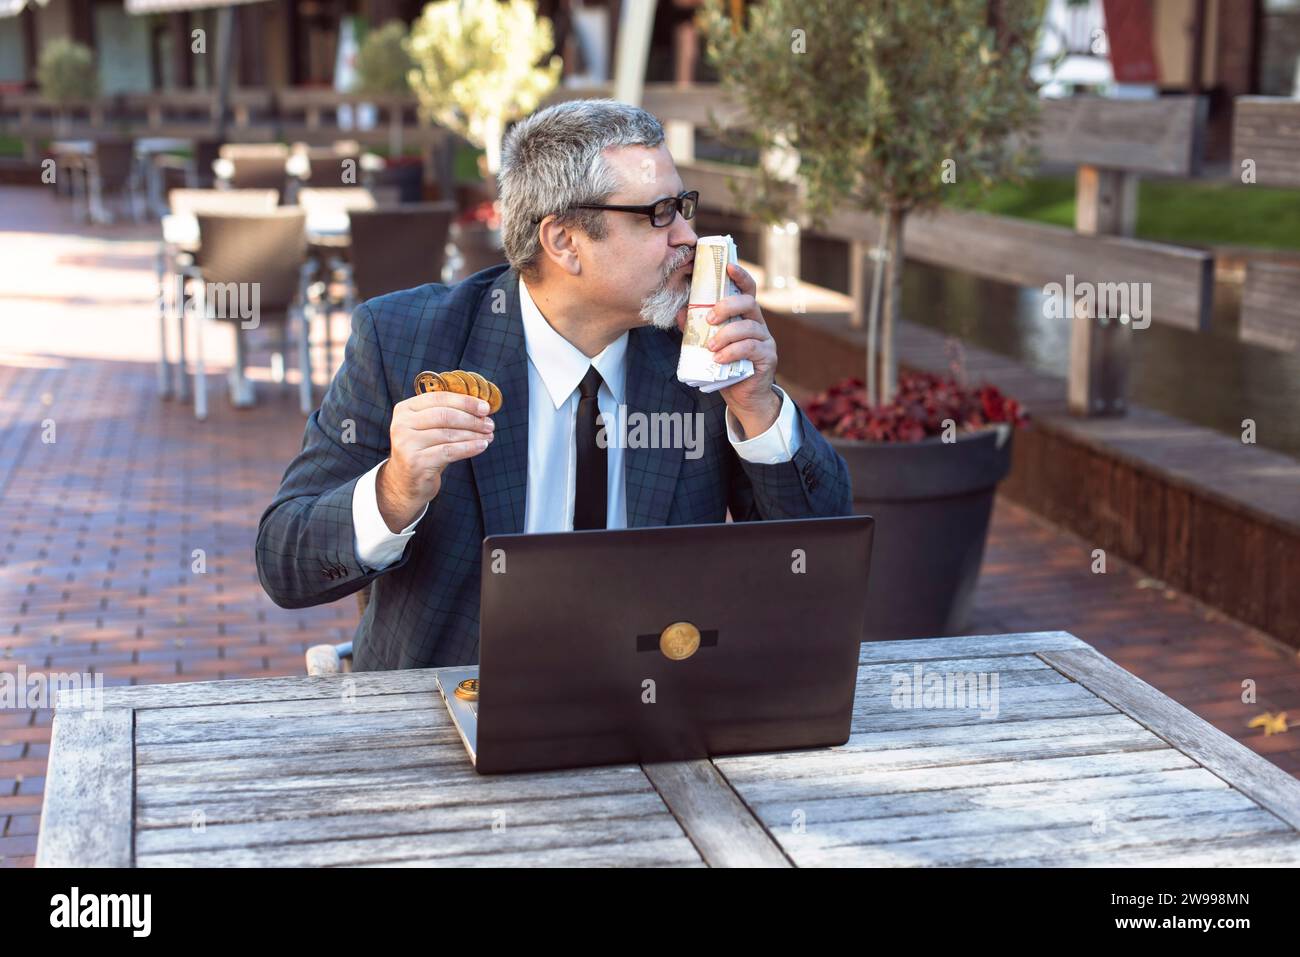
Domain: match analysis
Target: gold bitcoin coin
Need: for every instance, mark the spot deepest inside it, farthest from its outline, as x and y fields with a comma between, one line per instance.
x=429, y=382
x=471, y=387
x=468, y=689
x=455, y=383
x=679, y=640
x=480, y=383
x=494, y=398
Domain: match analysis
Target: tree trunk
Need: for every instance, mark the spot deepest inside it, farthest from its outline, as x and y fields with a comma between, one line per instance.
x=893, y=302
x=873, y=315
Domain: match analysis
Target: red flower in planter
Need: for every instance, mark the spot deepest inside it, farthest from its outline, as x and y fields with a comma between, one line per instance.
x=487, y=213
x=920, y=407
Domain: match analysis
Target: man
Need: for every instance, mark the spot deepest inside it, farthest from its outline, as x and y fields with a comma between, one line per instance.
x=584, y=323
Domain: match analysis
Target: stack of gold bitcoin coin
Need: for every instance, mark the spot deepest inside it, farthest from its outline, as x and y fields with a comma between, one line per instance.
x=461, y=382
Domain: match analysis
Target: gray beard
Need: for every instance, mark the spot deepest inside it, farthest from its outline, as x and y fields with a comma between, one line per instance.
x=660, y=308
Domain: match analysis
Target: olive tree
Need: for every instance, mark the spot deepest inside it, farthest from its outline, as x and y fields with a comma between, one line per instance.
x=476, y=67
x=889, y=105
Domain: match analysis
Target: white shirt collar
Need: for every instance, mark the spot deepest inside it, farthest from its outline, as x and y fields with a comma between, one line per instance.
x=560, y=363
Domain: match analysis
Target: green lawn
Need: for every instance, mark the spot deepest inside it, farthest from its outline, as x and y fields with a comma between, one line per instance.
x=1203, y=214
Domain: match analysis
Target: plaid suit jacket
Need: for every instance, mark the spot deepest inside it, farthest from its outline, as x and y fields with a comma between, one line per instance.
x=424, y=608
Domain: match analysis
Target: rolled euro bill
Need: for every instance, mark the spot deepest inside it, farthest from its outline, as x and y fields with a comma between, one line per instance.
x=709, y=283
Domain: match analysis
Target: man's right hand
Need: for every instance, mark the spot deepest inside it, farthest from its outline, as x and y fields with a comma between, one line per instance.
x=429, y=431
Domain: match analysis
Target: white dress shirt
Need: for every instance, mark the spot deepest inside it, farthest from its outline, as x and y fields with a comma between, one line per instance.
x=555, y=368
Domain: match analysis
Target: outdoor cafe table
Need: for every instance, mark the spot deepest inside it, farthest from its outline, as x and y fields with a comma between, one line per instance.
x=1082, y=764
x=329, y=229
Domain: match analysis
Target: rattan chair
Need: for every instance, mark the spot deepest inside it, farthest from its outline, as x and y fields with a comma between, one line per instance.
x=331, y=169
x=265, y=256
x=199, y=175
x=175, y=264
x=195, y=170
x=252, y=166
x=110, y=169
x=397, y=247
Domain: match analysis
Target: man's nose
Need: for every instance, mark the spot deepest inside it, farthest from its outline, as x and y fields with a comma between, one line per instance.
x=681, y=233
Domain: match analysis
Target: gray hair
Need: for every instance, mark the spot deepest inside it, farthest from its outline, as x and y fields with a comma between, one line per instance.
x=553, y=159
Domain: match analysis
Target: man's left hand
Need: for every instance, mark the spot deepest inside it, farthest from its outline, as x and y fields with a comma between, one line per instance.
x=753, y=402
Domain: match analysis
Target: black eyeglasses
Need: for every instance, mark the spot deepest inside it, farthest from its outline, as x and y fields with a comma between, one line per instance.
x=661, y=213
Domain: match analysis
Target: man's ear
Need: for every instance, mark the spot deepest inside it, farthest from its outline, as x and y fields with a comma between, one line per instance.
x=561, y=245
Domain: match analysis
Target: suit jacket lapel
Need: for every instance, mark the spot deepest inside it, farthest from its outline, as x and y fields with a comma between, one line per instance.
x=652, y=386
x=496, y=350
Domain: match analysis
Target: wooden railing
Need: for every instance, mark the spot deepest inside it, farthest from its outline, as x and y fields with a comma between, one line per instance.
x=1270, y=315
x=1266, y=152
x=1266, y=141
x=1110, y=141
x=1011, y=250
x=1140, y=136
x=1162, y=136
x=256, y=115
x=1155, y=136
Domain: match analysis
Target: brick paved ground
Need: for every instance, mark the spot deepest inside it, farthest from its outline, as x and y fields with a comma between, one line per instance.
x=98, y=528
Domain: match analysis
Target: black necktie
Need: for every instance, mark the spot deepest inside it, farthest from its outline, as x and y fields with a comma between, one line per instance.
x=590, y=488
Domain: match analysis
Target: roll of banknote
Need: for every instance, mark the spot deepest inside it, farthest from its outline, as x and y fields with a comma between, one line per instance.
x=709, y=283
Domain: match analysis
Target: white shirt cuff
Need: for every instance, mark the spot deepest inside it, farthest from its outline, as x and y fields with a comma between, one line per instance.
x=376, y=547
x=778, y=444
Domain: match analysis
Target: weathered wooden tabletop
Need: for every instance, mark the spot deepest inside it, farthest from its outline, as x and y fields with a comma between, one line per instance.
x=1080, y=763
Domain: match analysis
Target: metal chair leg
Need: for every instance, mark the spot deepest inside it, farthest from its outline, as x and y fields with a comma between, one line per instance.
x=200, y=376
x=182, y=368
x=80, y=193
x=98, y=213
x=279, y=358
x=241, y=389
x=304, y=357
x=139, y=191
x=327, y=315
x=164, y=367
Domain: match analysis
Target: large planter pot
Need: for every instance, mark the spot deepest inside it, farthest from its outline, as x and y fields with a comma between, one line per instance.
x=931, y=501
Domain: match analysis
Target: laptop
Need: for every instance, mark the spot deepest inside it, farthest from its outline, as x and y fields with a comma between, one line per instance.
x=663, y=644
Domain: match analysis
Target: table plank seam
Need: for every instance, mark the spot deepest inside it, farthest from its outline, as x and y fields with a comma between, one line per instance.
x=748, y=843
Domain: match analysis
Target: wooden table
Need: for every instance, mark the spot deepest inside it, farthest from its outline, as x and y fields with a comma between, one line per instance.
x=1082, y=764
